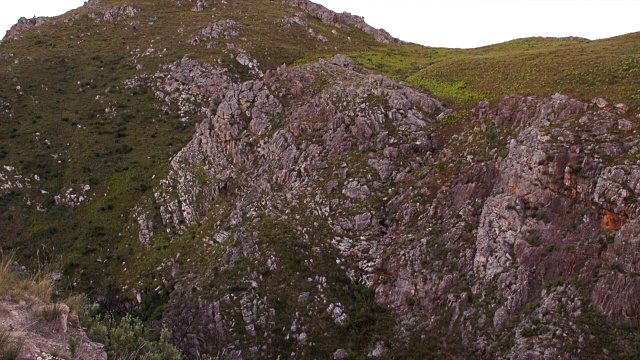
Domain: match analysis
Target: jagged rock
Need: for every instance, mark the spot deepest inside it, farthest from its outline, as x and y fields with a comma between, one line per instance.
x=378, y=351
x=499, y=227
x=146, y=229
x=623, y=108
x=200, y=5
x=72, y=197
x=115, y=13
x=329, y=17
x=224, y=29
x=340, y=354
x=626, y=125
x=23, y=25
x=92, y=3
x=600, y=102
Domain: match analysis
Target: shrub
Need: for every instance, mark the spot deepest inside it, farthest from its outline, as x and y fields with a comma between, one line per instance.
x=531, y=307
x=124, y=338
x=411, y=302
x=74, y=344
x=529, y=332
x=492, y=137
x=38, y=285
x=553, y=283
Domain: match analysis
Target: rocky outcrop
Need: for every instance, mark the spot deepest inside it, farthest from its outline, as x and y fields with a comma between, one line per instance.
x=224, y=29
x=23, y=25
x=242, y=152
x=114, y=13
x=73, y=198
x=496, y=233
x=329, y=17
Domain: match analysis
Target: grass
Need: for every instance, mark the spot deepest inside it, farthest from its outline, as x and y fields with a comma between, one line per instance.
x=126, y=338
x=9, y=350
x=458, y=91
x=74, y=344
x=36, y=285
x=7, y=276
x=50, y=313
x=534, y=66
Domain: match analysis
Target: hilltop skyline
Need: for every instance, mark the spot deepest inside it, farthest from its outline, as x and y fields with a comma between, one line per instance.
x=475, y=23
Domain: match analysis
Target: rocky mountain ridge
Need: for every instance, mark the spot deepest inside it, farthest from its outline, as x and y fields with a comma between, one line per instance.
x=316, y=208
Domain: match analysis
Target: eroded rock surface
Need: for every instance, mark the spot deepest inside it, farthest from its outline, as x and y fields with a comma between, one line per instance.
x=25, y=24
x=329, y=17
x=502, y=245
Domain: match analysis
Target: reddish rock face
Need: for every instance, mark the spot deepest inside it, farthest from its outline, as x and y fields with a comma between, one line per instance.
x=330, y=17
x=25, y=24
x=611, y=221
x=481, y=240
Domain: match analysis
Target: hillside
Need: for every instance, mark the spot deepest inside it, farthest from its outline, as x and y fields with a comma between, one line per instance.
x=270, y=179
x=533, y=66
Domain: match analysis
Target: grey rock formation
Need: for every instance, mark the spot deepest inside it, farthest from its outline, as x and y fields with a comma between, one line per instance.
x=114, y=13
x=493, y=234
x=23, y=25
x=329, y=17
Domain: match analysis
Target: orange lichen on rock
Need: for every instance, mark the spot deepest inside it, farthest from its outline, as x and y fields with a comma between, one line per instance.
x=568, y=179
x=611, y=221
x=574, y=194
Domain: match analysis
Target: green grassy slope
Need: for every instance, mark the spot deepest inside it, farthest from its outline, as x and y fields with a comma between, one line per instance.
x=607, y=68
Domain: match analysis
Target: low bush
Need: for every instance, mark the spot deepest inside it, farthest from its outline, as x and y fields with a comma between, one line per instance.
x=126, y=338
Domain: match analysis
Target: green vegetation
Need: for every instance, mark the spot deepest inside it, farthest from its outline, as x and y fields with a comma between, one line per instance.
x=459, y=91
x=531, y=307
x=74, y=344
x=492, y=137
x=533, y=66
x=126, y=338
x=70, y=73
x=455, y=118
x=554, y=283
x=50, y=313
x=36, y=286
x=9, y=350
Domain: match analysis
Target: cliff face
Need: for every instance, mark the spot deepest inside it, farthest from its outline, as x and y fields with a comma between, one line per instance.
x=283, y=178
x=315, y=210
x=510, y=238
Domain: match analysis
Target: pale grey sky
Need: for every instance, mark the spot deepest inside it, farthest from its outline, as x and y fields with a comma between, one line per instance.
x=443, y=23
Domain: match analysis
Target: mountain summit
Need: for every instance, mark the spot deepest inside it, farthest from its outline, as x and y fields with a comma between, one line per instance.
x=269, y=179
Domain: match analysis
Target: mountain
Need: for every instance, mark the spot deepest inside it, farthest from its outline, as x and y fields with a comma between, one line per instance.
x=271, y=179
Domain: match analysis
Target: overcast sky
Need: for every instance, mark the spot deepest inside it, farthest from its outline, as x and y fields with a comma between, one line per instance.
x=443, y=23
